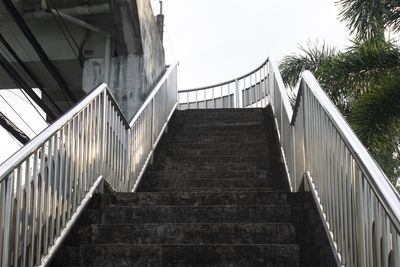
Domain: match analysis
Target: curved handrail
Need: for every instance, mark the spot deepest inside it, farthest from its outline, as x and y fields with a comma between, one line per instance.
x=226, y=82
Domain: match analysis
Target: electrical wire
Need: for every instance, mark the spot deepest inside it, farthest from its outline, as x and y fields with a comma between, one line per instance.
x=15, y=139
x=19, y=116
x=17, y=95
x=40, y=114
x=36, y=66
x=19, y=87
x=64, y=26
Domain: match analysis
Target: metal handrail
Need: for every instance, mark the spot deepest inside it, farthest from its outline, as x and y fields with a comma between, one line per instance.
x=226, y=82
x=358, y=205
x=387, y=193
x=46, y=185
x=244, y=91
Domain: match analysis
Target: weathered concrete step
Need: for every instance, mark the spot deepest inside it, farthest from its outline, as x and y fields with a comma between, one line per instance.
x=216, y=152
x=211, y=184
x=219, y=116
x=176, y=128
x=214, y=123
x=243, y=166
x=262, y=131
x=213, y=159
x=216, y=189
x=224, y=173
x=221, y=111
x=222, y=146
x=196, y=198
x=197, y=214
x=195, y=234
x=244, y=139
x=271, y=255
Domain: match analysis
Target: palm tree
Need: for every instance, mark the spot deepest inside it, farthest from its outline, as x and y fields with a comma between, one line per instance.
x=363, y=80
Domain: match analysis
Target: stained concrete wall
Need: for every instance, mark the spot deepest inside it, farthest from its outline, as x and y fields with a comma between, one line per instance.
x=153, y=51
x=140, y=59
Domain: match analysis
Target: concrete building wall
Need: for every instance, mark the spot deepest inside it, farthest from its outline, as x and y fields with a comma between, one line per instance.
x=153, y=51
x=140, y=61
x=126, y=80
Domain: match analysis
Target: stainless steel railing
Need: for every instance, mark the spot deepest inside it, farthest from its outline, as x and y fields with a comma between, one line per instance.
x=46, y=185
x=246, y=91
x=357, y=203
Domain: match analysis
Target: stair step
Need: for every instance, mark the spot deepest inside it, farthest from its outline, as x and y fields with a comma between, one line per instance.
x=216, y=152
x=256, y=127
x=196, y=198
x=215, y=123
x=218, y=117
x=225, y=184
x=220, y=146
x=240, y=166
x=213, y=159
x=196, y=174
x=187, y=131
x=243, y=139
x=282, y=255
x=197, y=214
x=199, y=233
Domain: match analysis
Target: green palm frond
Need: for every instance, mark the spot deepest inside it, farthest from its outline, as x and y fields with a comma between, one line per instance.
x=376, y=120
x=355, y=71
x=310, y=58
x=368, y=19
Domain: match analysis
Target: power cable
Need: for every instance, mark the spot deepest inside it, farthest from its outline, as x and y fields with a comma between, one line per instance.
x=35, y=65
x=66, y=29
x=40, y=114
x=27, y=70
x=20, y=97
x=20, y=22
x=19, y=116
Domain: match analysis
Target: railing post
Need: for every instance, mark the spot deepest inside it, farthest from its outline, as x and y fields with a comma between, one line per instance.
x=104, y=135
x=238, y=105
x=152, y=131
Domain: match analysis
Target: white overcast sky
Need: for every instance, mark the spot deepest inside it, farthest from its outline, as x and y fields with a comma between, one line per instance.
x=216, y=40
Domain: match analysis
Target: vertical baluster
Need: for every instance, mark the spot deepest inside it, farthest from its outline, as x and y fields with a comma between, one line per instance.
x=187, y=99
x=196, y=100
x=72, y=182
x=34, y=211
x=17, y=210
x=47, y=209
x=205, y=98
x=54, y=188
x=26, y=212
x=9, y=188
x=395, y=247
x=78, y=151
x=213, y=97
x=67, y=173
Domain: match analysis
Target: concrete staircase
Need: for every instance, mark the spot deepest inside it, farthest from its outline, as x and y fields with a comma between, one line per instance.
x=216, y=195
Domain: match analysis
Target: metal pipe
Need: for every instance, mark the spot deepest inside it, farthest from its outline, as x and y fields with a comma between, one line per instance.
x=10, y=127
x=107, y=60
x=19, y=81
x=84, y=24
x=79, y=22
x=72, y=11
x=28, y=71
x=8, y=4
